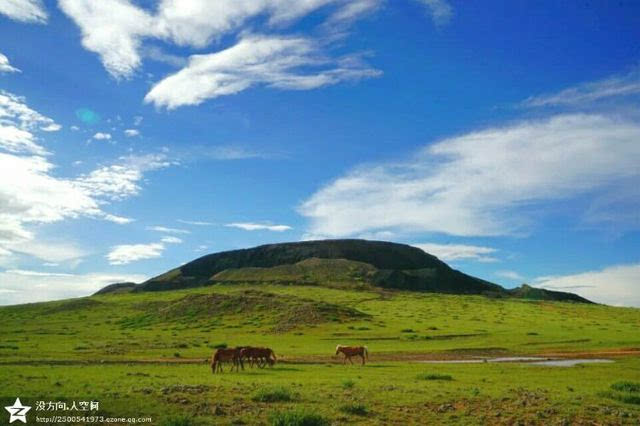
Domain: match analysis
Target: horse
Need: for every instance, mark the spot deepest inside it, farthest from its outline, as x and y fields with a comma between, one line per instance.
x=261, y=356
x=226, y=355
x=349, y=351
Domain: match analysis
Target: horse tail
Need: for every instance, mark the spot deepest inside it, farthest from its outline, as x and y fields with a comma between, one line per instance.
x=366, y=351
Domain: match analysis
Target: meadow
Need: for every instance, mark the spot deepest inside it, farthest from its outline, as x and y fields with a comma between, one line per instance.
x=146, y=354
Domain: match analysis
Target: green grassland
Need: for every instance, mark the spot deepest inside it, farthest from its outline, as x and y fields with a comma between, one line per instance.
x=145, y=354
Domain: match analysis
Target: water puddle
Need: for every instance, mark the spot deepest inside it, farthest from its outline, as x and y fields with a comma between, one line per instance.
x=553, y=362
x=571, y=362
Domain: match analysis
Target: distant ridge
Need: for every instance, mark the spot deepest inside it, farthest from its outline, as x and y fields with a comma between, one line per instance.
x=376, y=263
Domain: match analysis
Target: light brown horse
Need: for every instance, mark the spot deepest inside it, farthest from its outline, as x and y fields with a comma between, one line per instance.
x=226, y=355
x=349, y=351
x=261, y=356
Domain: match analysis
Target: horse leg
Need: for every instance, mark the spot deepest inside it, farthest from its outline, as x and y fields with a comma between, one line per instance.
x=350, y=360
x=362, y=359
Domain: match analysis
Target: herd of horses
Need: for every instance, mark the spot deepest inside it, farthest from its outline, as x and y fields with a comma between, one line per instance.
x=262, y=357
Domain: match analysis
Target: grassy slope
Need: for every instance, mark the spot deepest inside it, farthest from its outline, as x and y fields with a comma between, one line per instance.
x=126, y=326
x=394, y=325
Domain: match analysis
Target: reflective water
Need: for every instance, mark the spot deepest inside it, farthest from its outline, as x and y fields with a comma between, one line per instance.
x=528, y=359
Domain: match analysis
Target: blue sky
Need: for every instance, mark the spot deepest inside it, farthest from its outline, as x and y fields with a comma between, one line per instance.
x=502, y=137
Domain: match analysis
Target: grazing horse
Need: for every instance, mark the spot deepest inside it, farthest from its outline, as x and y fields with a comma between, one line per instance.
x=261, y=356
x=349, y=351
x=226, y=355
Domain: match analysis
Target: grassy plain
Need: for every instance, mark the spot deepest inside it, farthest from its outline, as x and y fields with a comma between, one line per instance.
x=144, y=354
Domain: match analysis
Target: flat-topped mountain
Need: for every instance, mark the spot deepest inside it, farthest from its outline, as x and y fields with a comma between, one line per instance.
x=337, y=263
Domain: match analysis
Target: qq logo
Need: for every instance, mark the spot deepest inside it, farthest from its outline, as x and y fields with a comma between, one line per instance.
x=17, y=411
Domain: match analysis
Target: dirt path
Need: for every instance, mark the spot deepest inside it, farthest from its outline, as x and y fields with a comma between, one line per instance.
x=376, y=357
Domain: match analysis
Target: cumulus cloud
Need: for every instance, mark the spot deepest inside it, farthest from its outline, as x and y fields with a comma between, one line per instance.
x=118, y=181
x=100, y=136
x=615, y=86
x=14, y=110
x=132, y=132
x=23, y=286
x=247, y=226
x=17, y=140
x=127, y=253
x=615, y=285
x=5, y=66
x=486, y=182
x=29, y=11
x=449, y=252
x=31, y=194
x=272, y=61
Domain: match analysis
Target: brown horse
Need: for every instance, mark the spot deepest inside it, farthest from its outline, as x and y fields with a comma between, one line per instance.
x=261, y=356
x=349, y=351
x=226, y=355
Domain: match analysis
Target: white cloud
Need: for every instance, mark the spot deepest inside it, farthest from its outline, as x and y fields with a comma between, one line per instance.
x=615, y=86
x=48, y=250
x=615, y=285
x=5, y=66
x=14, y=110
x=114, y=30
x=440, y=10
x=31, y=194
x=20, y=286
x=102, y=136
x=132, y=132
x=195, y=222
x=117, y=29
x=486, y=182
x=30, y=11
x=171, y=240
x=510, y=275
x=127, y=253
x=258, y=227
x=17, y=140
x=120, y=220
x=167, y=230
x=156, y=54
x=449, y=252
x=276, y=62
x=119, y=181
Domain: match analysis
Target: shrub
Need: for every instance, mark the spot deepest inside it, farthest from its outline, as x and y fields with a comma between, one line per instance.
x=425, y=376
x=357, y=409
x=298, y=417
x=179, y=421
x=220, y=346
x=626, y=386
x=622, y=397
x=278, y=394
x=407, y=330
x=348, y=384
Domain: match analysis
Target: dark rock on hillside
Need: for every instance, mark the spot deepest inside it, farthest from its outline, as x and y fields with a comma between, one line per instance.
x=400, y=266
x=527, y=292
x=116, y=288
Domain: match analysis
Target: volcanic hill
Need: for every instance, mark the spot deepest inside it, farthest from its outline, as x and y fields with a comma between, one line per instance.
x=337, y=263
